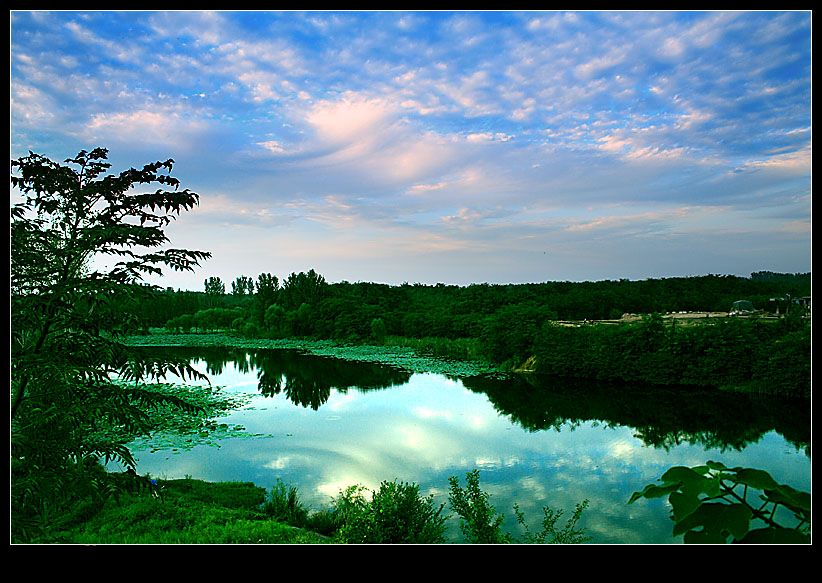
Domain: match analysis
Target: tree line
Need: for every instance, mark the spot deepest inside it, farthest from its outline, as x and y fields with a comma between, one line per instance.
x=345, y=310
x=514, y=322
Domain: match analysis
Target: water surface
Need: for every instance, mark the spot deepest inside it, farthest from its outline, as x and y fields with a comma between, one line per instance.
x=330, y=423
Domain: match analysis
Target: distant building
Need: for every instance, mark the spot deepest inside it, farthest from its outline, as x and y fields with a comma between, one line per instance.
x=786, y=301
x=742, y=307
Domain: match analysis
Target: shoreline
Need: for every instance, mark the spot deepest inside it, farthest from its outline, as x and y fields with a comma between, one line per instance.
x=402, y=357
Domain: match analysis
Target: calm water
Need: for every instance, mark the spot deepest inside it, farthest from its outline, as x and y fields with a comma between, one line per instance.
x=333, y=423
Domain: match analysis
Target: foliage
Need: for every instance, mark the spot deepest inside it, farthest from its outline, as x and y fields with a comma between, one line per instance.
x=480, y=523
x=189, y=512
x=194, y=511
x=549, y=533
x=69, y=308
x=378, y=330
x=722, y=353
x=283, y=505
x=302, y=288
x=396, y=513
x=242, y=285
x=214, y=290
x=509, y=324
x=710, y=504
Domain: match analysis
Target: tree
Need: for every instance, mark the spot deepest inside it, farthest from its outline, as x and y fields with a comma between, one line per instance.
x=215, y=290
x=242, y=285
x=275, y=320
x=265, y=295
x=67, y=319
x=378, y=330
x=302, y=288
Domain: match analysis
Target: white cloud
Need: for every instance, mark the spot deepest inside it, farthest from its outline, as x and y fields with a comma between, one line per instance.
x=172, y=128
x=507, y=124
x=351, y=119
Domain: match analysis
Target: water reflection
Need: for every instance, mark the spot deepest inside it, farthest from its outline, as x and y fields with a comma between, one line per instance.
x=305, y=380
x=662, y=417
x=537, y=441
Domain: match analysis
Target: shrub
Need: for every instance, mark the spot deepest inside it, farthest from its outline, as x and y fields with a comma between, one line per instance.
x=481, y=524
x=283, y=505
x=396, y=513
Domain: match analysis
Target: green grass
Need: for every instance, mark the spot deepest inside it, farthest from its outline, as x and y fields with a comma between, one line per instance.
x=190, y=512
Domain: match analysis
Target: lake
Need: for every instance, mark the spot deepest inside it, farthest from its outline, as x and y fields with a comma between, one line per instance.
x=325, y=423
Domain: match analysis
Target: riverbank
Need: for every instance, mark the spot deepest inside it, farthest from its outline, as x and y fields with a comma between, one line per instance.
x=720, y=353
x=415, y=356
x=189, y=511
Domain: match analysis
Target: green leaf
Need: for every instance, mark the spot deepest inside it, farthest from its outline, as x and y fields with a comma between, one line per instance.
x=756, y=479
x=796, y=500
x=703, y=537
x=681, y=474
x=717, y=518
x=719, y=466
x=775, y=535
x=683, y=504
x=654, y=491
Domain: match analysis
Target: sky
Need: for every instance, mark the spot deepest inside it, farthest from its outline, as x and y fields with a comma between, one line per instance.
x=443, y=147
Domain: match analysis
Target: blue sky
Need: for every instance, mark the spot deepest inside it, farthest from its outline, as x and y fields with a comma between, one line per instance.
x=453, y=147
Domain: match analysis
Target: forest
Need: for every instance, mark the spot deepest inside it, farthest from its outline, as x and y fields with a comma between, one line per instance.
x=509, y=324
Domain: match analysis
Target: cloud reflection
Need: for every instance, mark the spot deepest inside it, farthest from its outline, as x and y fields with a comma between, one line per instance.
x=431, y=428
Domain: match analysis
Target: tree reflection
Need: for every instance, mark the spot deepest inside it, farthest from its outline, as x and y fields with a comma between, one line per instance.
x=662, y=417
x=305, y=380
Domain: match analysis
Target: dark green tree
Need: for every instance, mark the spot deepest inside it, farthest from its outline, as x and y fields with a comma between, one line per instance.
x=215, y=290
x=242, y=286
x=378, y=330
x=265, y=296
x=81, y=241
x=302, y=288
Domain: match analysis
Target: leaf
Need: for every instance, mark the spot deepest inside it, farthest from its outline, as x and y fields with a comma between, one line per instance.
x=721, y=467
x=692, y=480
x=653, y=491
x=796, y=500
x=683, y=504
x=681, y=474
x=759, y=479
x=775, y=535
x=704, y=537
x=716, y=518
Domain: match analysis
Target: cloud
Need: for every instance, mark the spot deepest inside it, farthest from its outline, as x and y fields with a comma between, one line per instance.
x=351, y=119
x=172, y=128
x=468, y=134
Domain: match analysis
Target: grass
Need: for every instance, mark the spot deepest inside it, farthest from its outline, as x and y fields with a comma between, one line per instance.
x=190, y=512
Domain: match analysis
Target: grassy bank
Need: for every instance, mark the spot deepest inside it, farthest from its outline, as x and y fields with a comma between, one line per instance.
x=188, y=511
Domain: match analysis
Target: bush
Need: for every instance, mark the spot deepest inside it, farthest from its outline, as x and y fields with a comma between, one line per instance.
x=396, y=513
x=283, y=505
x=479, y=522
